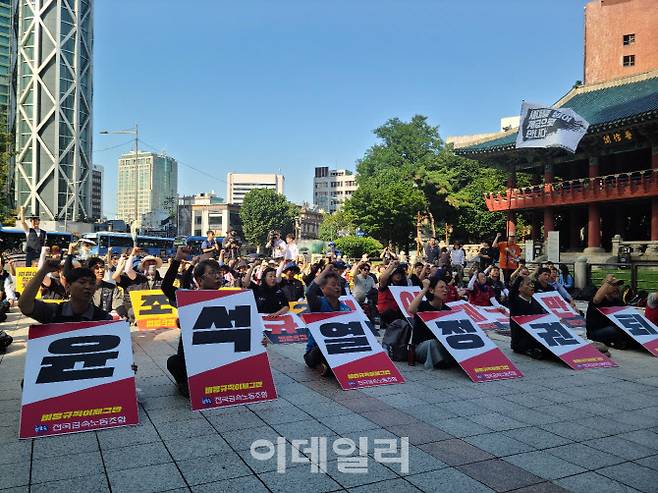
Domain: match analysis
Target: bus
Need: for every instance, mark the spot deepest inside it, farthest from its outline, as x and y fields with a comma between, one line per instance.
x=122, y=242
x=12, y=239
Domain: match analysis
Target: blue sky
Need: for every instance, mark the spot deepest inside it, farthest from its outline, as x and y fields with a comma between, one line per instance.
x=284, y=86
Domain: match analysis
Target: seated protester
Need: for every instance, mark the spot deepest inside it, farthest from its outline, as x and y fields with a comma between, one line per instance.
x=362, y=281
x=599, y=328
x=542, y=277
x=388, y=309
x=54, y=286
x=292, y=287
x=340, y=267
x=554, y=283
x=147, y=278
x=500, y=292
x=479, y=290
x=418, y=274
x=270, y=298
x=207, y=276
x=7, y=295
x=565, y=279
x=521, y=302
x=651, y=308
x=322, y=296
x=241, y=269
x=79, y=308
x=452, y=293
x=429, y=350
x=521, y=270
x=107, y=296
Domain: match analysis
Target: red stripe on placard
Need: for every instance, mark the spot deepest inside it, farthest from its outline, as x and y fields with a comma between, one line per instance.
x=110, y=395
x=587, y=356
x=609, y=310
x=489, y=366
x=190, y=296
x=310, y=318
x=524, y=319
x=45, y=330
x=206, y=387
x=371, y=371
x=428, y=316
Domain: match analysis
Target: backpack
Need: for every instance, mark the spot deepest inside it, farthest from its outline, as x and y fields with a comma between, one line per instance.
x=396, y=339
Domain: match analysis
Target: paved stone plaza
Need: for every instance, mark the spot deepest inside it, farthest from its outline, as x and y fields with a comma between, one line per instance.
x=554, y=430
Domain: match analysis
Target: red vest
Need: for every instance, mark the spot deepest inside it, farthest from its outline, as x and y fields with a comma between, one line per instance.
x=651, y=314
x=480, y=295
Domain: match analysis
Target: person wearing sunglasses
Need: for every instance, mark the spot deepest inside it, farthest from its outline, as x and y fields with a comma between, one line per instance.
x=362, y=281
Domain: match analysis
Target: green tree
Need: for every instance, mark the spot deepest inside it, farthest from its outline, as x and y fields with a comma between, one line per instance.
x=355, y=246
x=264, y=210
x=335, y=225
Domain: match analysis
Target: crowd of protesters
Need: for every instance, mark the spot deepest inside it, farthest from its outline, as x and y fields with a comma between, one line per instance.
x=94, y=288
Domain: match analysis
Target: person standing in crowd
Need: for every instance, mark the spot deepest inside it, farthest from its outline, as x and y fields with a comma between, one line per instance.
x=444, y=259
x=209, y=246
x=479, y=290
x=428, y=350
x=292, y=252
x=521, y=302
x=457, y=262
x=599, y=328
x=108, y=296
x=231, y=245
x=509, y=255
x=276, y=245
x=322, y=296
x=388, y=253
x=292, y=287
x=81, y=284
x=432, y=251
x=35, y=237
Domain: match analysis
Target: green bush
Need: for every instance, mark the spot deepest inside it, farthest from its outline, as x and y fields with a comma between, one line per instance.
x=355, y=246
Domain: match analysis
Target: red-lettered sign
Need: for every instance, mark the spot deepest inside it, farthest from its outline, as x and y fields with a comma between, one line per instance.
x=284, y=329
x=486, y=317
x=635, y=325
x=478, y=356
x=553, y=303
x=563, y=342
x=222, y=336
x=351, y=350
x=403, y=296
x=78, y=377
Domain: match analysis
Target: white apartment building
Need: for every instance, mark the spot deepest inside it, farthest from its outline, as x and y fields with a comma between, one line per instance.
x=239, y=184
x=331, y=187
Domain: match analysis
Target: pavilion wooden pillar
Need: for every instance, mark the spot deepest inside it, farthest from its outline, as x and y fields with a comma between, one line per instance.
x=594, y=214
x=549, y=224
x=654, y=200
x=511, y=185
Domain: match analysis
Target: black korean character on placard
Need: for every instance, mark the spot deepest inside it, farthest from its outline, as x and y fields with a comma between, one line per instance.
x=92, y=351
x=635, y=324
x=555, y=334
x=465, y=335
x=344, y=338
x=217, y=325
x=152, y=304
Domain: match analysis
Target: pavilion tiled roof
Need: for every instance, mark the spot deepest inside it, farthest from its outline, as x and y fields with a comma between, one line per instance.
x=604, y=105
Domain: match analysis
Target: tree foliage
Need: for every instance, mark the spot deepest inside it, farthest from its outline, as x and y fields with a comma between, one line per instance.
x=335, y=225
x=409, y=171
x=264, y=210
x=355, y=246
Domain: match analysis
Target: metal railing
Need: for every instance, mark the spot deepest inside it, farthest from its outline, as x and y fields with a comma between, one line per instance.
x=638, y=276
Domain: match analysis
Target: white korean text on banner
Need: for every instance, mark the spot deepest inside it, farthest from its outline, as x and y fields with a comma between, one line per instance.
x=486, y=317
x=477, y=355
x=635, y=325
x=552, y=302
x=543, y=126
x=78, y=377
x=351, y=350
x=563, y=342
x=284, y=329
x=222, y=336
x=403, y=296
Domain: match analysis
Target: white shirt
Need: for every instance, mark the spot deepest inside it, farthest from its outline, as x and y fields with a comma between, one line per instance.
x=292, y=252
x=279, y=249
x=457, y=256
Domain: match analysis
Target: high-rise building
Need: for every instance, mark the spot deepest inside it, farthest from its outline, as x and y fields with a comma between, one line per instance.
x=8, y=27
x=147, y=185
x=239, y=184
x=331, y=187
x=621, y=38
x=97, y=192
x=54, y=109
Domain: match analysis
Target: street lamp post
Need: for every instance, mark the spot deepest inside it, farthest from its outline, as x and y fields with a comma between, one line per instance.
x=131, y=131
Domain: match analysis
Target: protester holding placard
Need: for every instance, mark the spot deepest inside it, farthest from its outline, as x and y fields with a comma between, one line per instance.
x=521, y=302
x=428, y=350
x=599, y=327
x=323, y=296
x=81, y=285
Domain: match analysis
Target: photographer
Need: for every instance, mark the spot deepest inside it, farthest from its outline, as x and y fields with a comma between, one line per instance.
x=231, y=245
x=209, y=246
x=276, y=244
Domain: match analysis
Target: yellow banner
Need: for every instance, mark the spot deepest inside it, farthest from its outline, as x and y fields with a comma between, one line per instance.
x=152, y=309
x=298, y=307
x=23, y=276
